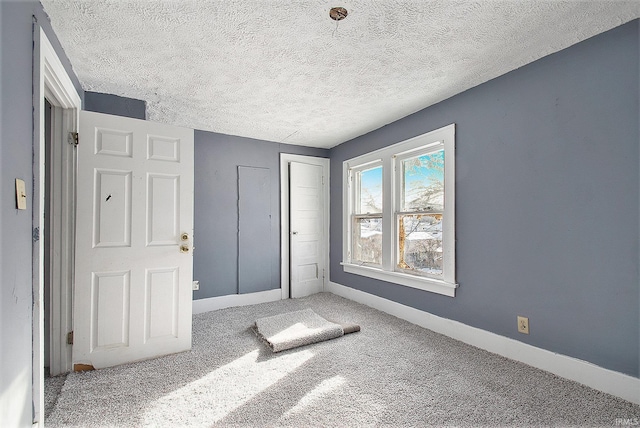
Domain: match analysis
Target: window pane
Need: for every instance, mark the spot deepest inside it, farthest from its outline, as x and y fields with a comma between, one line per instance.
x=367, y=240
x=420, y=243
x=370, y=191
x=423, y=182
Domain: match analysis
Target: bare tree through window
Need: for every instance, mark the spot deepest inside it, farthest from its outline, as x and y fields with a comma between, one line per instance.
x=420, y=218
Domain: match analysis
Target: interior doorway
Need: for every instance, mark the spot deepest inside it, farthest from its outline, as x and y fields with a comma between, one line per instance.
x=57, y=231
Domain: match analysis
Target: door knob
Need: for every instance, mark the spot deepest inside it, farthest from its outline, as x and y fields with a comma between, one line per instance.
x=184, y=248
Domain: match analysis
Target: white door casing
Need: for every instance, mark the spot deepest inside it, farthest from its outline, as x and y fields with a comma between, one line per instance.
x=307, y=225
x=51, y=81
x=133, y=295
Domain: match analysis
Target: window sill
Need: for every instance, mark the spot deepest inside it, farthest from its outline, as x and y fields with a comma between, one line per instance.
x=427, y=284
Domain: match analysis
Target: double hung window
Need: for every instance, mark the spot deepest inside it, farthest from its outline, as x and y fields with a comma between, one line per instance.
x=399, y=213
x=366, y=242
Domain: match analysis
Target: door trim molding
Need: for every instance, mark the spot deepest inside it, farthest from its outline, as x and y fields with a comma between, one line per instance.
x=285, y=159
x=51, y=80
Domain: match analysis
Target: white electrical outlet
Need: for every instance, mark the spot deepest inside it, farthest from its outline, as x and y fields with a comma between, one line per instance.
x=196, y=285
x=523, y=325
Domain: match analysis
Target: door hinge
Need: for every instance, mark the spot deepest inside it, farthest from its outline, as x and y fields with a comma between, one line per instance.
x=70, y=338
x=35, y=234
x=73, y=138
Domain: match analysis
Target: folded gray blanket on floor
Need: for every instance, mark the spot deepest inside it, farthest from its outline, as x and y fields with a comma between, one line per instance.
x=299, y=328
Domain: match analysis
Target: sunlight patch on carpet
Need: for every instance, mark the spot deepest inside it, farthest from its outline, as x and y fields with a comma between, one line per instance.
x=325, y=388
x=214, y=396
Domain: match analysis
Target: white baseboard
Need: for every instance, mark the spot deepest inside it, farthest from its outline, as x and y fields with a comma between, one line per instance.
x=605, y=380
x=233, y=300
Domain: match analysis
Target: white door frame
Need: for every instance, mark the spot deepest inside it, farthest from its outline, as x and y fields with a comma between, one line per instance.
x=51, y=81
x=285, y=231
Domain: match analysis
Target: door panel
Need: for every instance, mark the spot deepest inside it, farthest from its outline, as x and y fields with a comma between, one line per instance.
x=162, y=303
x=112, y=222
x=163, y=209
x=110, y=309
x=307, y=228
x=135, y=200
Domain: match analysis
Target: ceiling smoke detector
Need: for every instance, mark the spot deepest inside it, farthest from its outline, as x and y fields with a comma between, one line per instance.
x=338, y=13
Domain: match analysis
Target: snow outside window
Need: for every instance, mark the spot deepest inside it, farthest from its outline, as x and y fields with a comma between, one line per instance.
x=399, y=213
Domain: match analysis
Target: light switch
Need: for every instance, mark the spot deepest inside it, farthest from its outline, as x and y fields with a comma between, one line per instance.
x=21, y=195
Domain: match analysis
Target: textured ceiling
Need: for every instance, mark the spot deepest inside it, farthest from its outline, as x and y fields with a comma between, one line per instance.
x=282, y=71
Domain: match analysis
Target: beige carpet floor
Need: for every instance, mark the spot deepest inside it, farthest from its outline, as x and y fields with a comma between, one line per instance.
x=391, y=373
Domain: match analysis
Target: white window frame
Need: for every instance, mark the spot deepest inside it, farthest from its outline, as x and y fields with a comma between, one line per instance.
x=355, y=198
x=390, y=158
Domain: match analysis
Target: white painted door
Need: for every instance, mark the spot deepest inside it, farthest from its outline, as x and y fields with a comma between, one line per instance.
x=134, y=267
x=307, y=208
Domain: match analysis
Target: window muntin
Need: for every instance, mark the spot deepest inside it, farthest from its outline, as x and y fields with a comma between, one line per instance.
x=412, y=240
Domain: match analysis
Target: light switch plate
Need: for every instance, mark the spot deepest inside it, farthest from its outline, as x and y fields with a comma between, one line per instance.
x=21, y=195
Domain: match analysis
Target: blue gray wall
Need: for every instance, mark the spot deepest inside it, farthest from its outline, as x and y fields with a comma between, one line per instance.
x=217, y=213
x=547, y=202
x=16, y=128
x=115, y=105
